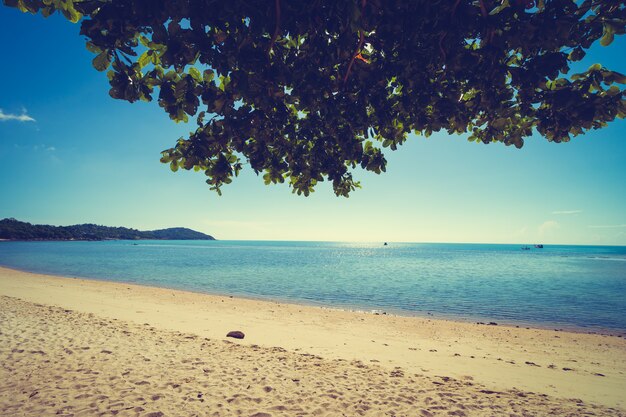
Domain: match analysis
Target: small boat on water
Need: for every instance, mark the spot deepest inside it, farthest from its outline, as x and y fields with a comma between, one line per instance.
x=525, y=248
x=539, y=246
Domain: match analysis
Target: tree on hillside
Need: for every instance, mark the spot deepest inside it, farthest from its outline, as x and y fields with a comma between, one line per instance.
x=306, y=91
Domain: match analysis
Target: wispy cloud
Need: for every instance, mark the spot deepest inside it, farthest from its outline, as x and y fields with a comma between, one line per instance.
x=44, y=147
x=37, y=147
x=548, y=226
x=47, y=151
x=18, y=117
x=609, y=226
x=567, y=212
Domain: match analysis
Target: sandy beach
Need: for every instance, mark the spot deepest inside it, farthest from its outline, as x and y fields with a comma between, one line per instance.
x=76, y=347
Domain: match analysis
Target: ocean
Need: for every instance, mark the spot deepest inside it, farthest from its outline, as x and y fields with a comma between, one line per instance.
x=568, y=287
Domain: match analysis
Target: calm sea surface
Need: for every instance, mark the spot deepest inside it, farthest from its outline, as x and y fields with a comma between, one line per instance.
x=560, y=286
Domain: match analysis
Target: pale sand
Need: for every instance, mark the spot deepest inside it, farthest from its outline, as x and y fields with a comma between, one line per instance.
x=147, y=350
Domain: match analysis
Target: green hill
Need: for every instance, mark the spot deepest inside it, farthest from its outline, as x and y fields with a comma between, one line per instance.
x=11, y=229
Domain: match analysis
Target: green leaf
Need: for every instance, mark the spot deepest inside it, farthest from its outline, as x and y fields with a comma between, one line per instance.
x=502, y=6
x=613, y=91
x=595, y=67
x=144, y=41
x=102, y=61
x=47, y=11
x=193, y=71
x=25, y=7
x=145, y=59
x=499, y=123
x=11, y=3
x=609, y=35
x=224, y=81
x=91, y=47
x=577, y=54
x=170, y=76
x=208, y=76
x=618, y=77
x=71, y=13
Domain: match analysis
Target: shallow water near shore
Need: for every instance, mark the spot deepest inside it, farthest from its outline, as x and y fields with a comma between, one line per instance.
x=574, y=287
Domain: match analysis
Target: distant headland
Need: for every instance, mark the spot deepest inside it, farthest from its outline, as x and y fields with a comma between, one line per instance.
x=12, y=229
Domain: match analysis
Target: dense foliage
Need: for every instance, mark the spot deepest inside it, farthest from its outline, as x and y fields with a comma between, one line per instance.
x=306, y=91
x=12, y=229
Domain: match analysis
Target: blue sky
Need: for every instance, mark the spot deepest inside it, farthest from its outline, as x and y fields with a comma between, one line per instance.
x=85, y=157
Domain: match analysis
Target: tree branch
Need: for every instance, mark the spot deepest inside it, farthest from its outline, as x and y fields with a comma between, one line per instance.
x=456, y=4
x=442, y=36
x=277, y=28
x=483, y=9
x=354, y=55
x=357, y=51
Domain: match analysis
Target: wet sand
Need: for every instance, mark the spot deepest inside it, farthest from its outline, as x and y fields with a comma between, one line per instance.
x=82, y=347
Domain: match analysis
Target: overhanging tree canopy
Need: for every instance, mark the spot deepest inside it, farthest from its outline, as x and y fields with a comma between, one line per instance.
x=305, y=91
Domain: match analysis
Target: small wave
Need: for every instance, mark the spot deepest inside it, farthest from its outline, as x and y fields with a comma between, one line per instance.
x=606, y=258
x=152, y=245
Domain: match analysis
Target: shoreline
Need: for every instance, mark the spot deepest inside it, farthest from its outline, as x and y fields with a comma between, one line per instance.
x=105, y=240
x=590, y=367
x=591, y=245
x=426, y=315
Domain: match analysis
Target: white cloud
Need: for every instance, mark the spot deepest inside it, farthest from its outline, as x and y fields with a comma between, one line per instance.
x=567, y=212
x=44, y=147
x=37, y=147
x=548, y=226
x=19, y=117
x=610, y=226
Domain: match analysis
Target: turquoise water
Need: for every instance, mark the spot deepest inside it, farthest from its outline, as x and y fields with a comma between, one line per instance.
x=560, y=286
